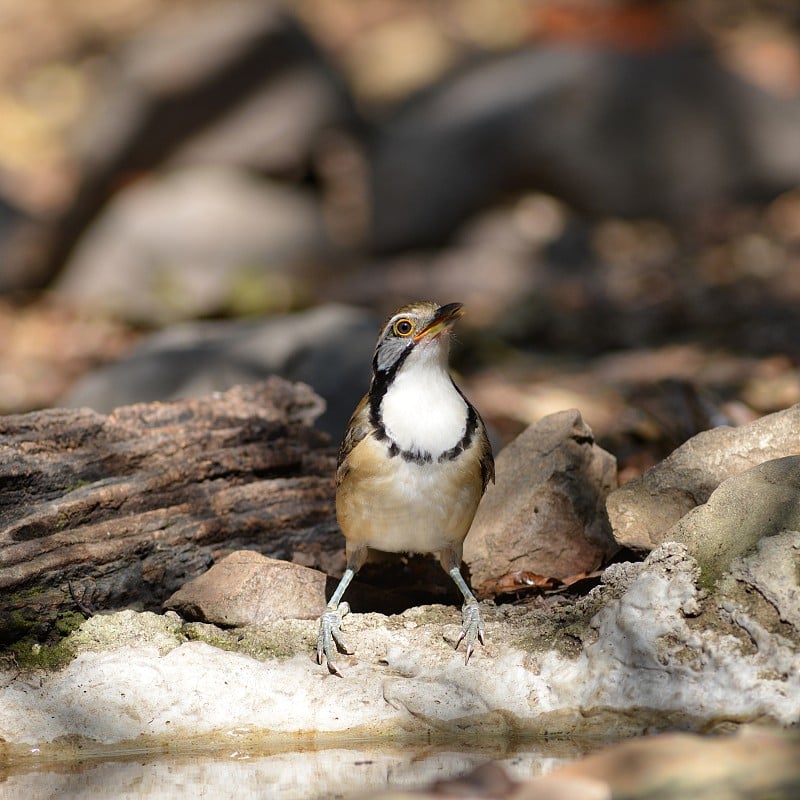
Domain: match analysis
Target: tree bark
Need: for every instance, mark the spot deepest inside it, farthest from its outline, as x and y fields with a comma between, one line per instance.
x=105, y=512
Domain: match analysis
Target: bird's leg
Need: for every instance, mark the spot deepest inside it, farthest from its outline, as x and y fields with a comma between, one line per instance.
x=471, y=620
x=330, y=622
x=330, y=633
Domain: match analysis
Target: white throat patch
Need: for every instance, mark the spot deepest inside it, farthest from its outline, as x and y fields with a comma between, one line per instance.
x=422, y=411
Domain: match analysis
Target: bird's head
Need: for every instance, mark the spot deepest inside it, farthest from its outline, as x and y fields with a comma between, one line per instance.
x=415, y=333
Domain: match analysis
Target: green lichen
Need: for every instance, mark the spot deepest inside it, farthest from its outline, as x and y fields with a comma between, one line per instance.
x=26, y=620
x=281, y=639
x=29, y=652
x=129, y=629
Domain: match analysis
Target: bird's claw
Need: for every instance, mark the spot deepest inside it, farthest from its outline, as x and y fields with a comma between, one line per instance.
x=471, y=628
x=330, y=634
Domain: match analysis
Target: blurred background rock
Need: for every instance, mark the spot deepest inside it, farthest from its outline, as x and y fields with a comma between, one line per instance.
x=611, y=187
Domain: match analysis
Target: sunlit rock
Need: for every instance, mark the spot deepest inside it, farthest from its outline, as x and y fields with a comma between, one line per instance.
x=647, y=650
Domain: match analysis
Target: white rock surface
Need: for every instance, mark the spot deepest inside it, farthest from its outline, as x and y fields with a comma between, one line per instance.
x=773, y=572
x=644, y=662
x=648, y=653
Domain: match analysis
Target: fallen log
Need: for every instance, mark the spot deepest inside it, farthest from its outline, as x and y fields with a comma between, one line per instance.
x=102, y=512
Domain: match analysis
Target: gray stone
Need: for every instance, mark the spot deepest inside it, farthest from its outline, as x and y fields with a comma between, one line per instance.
x=246, y=588
x=195, y=242
x=328, y=347
x=243, y=84
x=773, y=571
x=274, y=130
x=598, y=154
x=643, y=510
x=545, y=514
x=762, y=501
x=22, y=238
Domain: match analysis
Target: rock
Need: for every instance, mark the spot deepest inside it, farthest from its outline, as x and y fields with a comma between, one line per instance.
x=276, y=129
x=22, y=241
x=545, y=513
x=242, y=85
x=665, y=643
x=772, y=571
x=194, y=242
x=328, y=347
x=646, y=651
x=129, y=629
x=246, y=588
x=762, y=501
x=479, y=134
x=643, y=510
x=756, y=762
x=103, y=512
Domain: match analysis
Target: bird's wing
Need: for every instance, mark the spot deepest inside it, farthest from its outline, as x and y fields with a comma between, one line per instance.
x=357, y=429
x=486, y=457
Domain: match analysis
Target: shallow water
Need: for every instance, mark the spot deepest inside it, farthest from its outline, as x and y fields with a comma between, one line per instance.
x=247, y=770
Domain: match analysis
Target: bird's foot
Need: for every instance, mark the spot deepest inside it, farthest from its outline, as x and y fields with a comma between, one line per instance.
x=471, y=628
x=329, y=634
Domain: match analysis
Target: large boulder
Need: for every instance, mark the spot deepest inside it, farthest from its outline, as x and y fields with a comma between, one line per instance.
x=762, y=501
x=194, y=242
x=643, y=511
x=328, y=347
x=545, y=514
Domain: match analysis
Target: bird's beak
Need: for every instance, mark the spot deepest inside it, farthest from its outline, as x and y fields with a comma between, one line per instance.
x=445, y=318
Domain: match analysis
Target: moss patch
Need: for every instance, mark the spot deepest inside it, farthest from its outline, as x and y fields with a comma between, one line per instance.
x=282, y=639
x=30, y=614
x=67, y=622
x=29, y=654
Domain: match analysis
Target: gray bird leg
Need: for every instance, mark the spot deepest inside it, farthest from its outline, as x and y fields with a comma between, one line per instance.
x=472, y=626
x=330, y=622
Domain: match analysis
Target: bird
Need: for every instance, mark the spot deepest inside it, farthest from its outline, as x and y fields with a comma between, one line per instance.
x=413, y=465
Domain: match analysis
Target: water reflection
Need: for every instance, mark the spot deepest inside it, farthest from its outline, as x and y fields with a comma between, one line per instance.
x=245, y=772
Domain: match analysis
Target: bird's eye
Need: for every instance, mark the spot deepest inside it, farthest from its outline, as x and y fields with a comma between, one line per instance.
x=403, y=327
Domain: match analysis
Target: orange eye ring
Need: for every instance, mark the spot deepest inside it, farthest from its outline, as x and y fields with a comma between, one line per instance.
x=403, y=327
